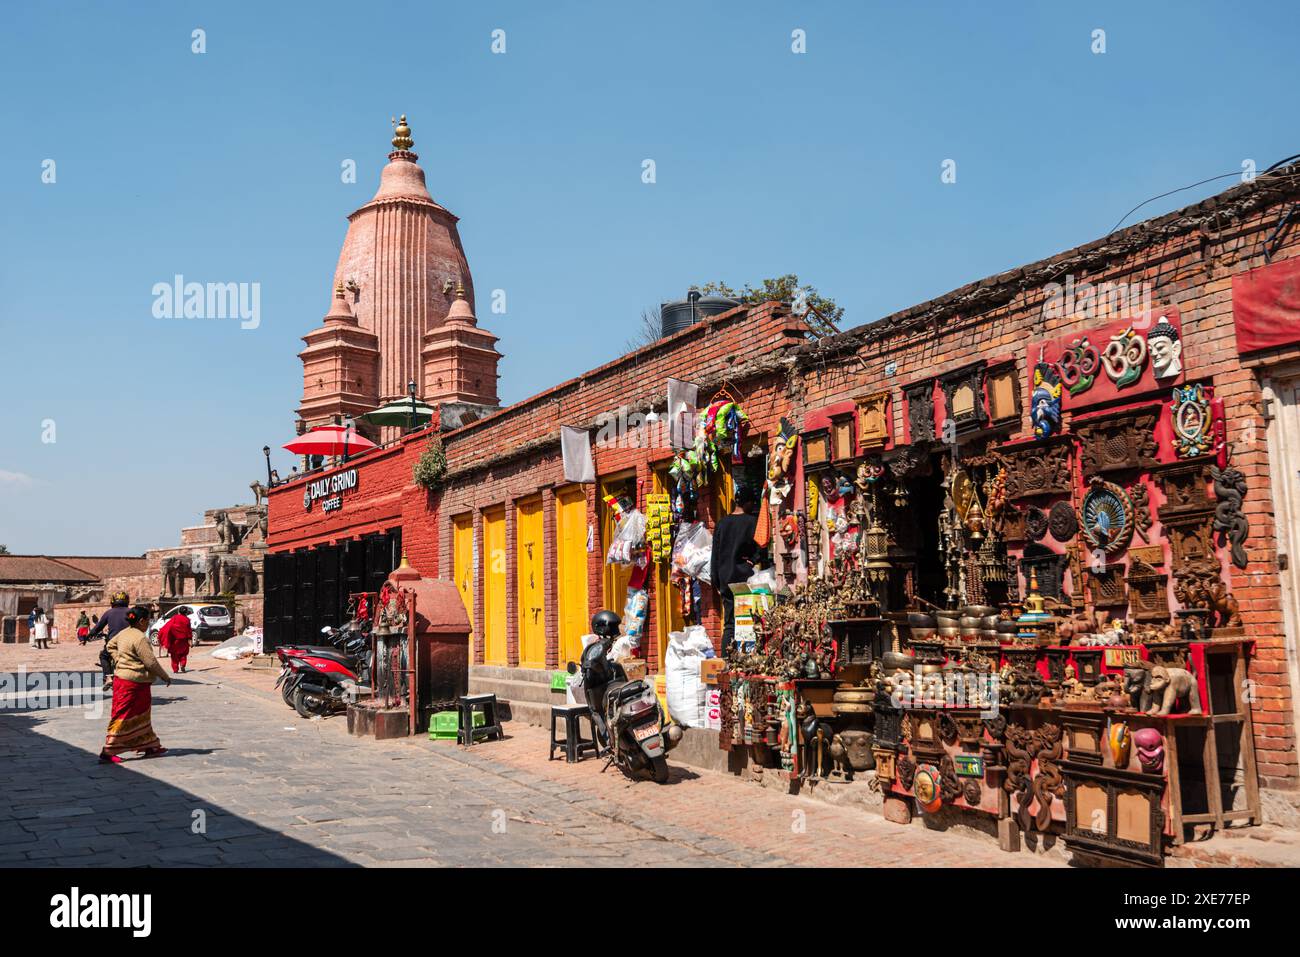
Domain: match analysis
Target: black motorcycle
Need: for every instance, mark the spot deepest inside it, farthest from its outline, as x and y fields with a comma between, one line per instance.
x=630, y=725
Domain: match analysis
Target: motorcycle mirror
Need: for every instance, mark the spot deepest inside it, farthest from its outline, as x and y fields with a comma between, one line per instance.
x=573, y=668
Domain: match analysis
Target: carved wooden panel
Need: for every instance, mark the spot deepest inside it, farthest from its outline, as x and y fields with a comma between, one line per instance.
x=1125, y=440
x=1002, y=387
x=1107, y=588
x=1185, y=488
x=1050, y=567
x=964, y=397
x=873, y=420
x=1114, y=813
x=920, y=410
x=1147, y=595
x=842, y=438
x=1037, y=468
x=816, y=448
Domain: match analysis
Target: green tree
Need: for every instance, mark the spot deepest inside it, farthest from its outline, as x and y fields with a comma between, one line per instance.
x=822, y=314
x=4, y=549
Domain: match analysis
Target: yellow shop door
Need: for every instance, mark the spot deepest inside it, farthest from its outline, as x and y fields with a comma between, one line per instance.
x=462, y=552
x=667, y=597
x=530, y=578
x=571, y=570
x=494, y=586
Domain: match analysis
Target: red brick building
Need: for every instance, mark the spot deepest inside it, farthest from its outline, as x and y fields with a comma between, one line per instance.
x=526, y=550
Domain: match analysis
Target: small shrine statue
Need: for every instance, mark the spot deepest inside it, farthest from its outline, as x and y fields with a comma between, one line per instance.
x=1071, y=686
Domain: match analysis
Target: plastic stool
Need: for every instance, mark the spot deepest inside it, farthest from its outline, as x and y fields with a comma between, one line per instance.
x=573, y=743
x=491, y=727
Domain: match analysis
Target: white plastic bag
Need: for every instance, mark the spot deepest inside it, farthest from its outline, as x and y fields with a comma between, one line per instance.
x=693, y=551
x=629, y=541
x=635, y=612
x=685, y=691
x=240, y=646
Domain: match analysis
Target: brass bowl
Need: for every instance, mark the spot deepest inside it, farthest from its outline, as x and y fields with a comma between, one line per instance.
x=918, y=619
x=970, y=621
x=947, y=632
x=979, y=611
x=922, y=634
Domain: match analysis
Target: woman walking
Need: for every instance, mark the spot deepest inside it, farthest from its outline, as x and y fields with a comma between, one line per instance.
x=130, y=726
x=83, y=628
x=174, y=638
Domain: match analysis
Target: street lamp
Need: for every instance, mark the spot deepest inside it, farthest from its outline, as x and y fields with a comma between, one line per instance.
x=410, y=418
x=266, y=451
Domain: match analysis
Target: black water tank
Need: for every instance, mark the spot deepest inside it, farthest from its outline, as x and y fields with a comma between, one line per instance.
x=676, y=316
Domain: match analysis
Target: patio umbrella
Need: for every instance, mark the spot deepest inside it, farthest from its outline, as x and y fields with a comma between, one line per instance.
x=400, y=412
x=329, y=440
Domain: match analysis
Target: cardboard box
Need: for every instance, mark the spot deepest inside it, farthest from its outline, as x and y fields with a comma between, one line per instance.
x=634, y=668
x=710, y=668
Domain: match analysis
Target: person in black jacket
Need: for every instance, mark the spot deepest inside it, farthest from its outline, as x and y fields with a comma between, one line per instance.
x=734, y=551
x=114, y=620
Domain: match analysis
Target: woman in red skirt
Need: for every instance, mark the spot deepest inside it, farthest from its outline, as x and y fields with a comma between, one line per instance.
x=130, y=727
x=174, y=638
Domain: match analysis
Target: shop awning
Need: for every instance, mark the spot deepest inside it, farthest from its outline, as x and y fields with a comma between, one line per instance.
x=400, y=412
x=329, y=440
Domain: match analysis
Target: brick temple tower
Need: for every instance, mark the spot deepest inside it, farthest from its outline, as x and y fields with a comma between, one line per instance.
x=403, y=271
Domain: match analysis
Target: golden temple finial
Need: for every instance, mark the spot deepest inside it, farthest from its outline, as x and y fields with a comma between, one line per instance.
x=338, y=289
x=460, y=290
x=402, y=134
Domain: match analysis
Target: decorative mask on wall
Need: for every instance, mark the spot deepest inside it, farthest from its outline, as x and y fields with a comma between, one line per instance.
x=1166, y=350
x=1193, y=424
x=1150, y=749
x=926, y=788
x=1106, y=516
x=1120, y=742
x=1124, y=358
x=1045, y=403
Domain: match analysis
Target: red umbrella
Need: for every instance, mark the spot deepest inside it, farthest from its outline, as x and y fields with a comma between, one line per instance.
x=329, y=440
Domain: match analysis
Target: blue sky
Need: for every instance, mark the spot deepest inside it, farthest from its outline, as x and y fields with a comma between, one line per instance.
x=225, y=166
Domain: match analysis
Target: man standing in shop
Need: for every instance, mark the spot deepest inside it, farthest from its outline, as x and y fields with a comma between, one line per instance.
x=734, y=550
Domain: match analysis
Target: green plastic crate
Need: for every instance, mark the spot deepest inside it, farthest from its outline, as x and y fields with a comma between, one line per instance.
x=446, y=724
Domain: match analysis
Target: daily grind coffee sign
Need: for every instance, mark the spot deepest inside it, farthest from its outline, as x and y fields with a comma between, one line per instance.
x=329, y=490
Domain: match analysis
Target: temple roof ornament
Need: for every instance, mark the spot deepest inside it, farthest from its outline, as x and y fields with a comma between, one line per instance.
x=402, y=135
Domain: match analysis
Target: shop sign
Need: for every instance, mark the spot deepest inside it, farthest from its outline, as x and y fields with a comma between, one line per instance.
x=1134, y=355
x=968, y=765
x=329, y=490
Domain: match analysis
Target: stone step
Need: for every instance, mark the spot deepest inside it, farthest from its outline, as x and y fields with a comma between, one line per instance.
x=511, y=690
x=527, y=712
x=502, y=672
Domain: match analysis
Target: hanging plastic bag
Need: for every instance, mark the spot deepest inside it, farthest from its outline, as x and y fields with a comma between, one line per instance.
x=635, y=612
x=629, y=540
x=692, y=551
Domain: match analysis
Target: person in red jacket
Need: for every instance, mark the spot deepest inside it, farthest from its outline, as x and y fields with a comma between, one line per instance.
x=175, y=637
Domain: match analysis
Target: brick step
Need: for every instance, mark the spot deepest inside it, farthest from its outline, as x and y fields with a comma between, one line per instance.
x=517, y=691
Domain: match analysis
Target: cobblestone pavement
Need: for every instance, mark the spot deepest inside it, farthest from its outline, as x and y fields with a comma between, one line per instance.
x=247, y=782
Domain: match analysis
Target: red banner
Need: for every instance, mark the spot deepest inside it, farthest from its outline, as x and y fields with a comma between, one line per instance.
x=1266, y=306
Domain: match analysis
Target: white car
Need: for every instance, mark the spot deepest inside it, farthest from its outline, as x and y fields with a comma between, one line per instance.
x=209, y=622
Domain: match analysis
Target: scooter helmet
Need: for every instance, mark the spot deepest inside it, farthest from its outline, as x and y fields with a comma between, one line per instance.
x=120, y=598
x=606, y=624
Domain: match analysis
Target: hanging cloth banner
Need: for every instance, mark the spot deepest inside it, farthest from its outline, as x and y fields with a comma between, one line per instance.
x=579, y=466
x=1266, y=306
x=682, y=397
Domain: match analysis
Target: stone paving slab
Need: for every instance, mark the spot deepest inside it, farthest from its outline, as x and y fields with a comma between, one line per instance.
x=238, y=789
